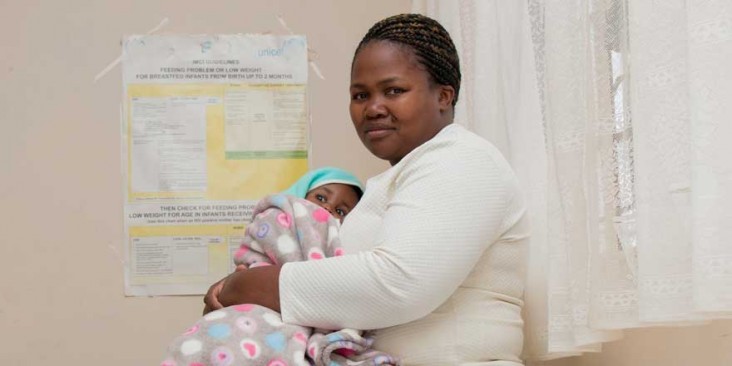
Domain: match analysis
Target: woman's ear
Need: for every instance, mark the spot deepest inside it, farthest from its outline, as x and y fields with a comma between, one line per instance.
x=447, y=95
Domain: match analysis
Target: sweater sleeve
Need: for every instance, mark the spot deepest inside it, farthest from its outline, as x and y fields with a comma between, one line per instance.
x=445, y=211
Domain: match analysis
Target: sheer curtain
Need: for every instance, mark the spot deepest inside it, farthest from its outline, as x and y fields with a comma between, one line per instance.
x=617, y=117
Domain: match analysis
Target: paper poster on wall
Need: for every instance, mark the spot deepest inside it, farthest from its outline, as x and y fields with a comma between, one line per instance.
x=211, y=124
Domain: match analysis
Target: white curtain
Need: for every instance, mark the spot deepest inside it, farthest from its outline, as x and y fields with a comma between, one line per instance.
x=617, y=117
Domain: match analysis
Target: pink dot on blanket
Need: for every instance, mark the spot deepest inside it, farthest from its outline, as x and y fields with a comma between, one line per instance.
x=244, y=307
x=222, y=356
x=316, y=254
x=339, y=252
x=191, y=330
x=284, y=219
x=300, y=337
x=240, y=252
x=321, y=215
x=250, y=349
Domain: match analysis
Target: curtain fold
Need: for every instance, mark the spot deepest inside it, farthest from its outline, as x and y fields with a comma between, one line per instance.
x=616, y=116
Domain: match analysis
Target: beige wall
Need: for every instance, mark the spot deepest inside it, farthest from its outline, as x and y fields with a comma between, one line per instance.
x=61, y=288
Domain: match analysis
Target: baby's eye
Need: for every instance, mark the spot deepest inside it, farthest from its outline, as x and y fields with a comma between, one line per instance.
x=320, y=197
x=341, y=212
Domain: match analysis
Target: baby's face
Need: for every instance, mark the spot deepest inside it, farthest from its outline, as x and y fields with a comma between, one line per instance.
x=338, y=199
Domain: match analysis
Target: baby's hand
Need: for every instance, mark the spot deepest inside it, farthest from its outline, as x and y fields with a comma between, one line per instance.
x=240, y=267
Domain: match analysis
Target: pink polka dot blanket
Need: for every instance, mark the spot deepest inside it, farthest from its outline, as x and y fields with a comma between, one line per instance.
x=284, y=229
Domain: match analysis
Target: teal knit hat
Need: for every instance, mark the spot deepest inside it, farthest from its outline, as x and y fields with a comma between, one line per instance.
x=321, y=177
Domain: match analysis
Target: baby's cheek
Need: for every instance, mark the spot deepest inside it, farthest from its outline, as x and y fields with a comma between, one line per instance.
x=321, y=215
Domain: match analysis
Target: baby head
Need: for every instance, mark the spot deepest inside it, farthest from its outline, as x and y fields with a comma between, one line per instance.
x=337, y=198
x=333, y=189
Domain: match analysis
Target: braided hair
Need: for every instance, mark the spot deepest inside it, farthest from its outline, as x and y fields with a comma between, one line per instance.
x=427, y=38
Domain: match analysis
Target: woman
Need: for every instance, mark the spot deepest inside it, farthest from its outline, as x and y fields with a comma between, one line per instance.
x=439, y=238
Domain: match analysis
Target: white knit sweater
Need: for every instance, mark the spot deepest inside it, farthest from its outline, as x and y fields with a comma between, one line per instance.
x=437, y=248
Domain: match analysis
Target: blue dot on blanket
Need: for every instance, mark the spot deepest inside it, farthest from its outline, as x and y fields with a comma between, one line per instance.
x=279, y=200
x=276, y=341
x=219, y=331
x=334, y=337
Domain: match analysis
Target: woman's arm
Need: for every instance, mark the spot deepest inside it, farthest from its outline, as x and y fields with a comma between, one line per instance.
x=445, y=212
x=447, y=208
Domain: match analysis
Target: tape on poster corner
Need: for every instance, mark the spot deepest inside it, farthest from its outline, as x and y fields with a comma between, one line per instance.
x=311, y=61
x=116, y=61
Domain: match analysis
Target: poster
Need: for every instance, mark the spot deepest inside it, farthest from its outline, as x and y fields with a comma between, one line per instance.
x=210, y=125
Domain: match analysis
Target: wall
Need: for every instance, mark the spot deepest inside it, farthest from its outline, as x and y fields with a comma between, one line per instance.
x=61, y=287
x=61, y=297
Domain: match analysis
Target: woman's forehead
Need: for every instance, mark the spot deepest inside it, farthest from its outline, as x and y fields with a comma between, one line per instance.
x=385, y=61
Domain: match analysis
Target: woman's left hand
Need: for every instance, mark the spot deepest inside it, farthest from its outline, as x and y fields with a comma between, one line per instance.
x=258, y=286
x=211, y=299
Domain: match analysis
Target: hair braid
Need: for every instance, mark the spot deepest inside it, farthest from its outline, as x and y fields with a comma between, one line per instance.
x=427, y=38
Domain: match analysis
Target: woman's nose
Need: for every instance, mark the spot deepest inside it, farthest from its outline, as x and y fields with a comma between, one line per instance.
x=375, y=108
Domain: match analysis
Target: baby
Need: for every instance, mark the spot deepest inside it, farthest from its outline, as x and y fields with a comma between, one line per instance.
x=300, y=224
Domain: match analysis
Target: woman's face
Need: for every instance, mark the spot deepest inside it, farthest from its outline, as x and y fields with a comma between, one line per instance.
x=395, y=106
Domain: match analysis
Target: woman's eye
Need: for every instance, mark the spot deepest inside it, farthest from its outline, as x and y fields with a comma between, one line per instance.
x=358, y=96
x=394, y=91
x=320, y=197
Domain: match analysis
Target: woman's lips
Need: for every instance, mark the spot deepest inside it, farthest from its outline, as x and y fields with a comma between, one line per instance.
x=378, y=133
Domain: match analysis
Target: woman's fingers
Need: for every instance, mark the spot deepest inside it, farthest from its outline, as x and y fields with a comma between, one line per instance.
x=211, y=299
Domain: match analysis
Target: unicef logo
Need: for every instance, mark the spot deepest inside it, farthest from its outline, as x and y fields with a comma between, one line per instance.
x=292, y=46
